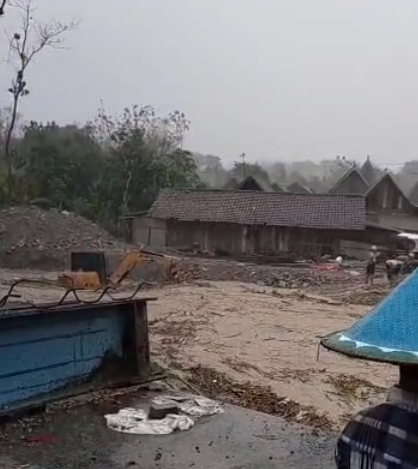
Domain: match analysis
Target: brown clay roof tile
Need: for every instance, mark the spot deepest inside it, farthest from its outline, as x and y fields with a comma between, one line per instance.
x=317, y=211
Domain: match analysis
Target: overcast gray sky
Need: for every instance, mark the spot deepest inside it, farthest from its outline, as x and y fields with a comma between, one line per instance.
x=277, y=79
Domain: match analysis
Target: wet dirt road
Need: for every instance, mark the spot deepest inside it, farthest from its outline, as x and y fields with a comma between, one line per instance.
x=237, y=439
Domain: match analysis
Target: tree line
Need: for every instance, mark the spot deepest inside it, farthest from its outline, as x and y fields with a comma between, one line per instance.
x=102, y=170
x=316, y=176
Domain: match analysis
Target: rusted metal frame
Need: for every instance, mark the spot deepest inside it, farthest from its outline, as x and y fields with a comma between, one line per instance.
x=74, y=291
x=25, y=310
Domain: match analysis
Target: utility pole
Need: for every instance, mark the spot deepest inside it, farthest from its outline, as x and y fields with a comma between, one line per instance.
x=242, y=156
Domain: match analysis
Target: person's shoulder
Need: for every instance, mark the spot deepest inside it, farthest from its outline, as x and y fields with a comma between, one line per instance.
x=380, y=416
x=378, y=413
x=375, y=412
x=382, y=411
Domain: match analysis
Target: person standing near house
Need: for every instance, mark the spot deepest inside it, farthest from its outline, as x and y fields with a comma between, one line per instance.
x=393, y=269
x=384, y=436
x=371, y=265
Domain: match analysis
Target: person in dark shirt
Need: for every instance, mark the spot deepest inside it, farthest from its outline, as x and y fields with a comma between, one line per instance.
x=384, y=436
x=371, y=265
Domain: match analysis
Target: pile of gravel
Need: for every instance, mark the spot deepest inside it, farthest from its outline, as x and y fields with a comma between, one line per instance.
x=31, y=237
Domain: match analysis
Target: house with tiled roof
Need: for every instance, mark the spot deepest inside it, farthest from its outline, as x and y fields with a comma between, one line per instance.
x=314, y=211
x=352, y=183
x=389, y=207
x=253, y=222
x=238, y=222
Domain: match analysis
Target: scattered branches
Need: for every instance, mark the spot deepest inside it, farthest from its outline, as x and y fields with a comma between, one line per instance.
x=25, y=45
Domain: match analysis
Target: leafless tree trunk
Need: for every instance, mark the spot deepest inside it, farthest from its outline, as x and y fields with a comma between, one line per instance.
x=2, y=7
x=25, y=45
x=5, y=116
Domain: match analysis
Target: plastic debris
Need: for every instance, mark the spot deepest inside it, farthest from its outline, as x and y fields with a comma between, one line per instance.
x=135, y=421
x=193, y=406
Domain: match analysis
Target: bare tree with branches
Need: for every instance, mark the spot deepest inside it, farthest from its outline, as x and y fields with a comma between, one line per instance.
x=25, y=45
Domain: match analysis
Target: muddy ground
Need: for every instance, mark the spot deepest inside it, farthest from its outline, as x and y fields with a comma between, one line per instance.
x=268, y=337
x=242, y=332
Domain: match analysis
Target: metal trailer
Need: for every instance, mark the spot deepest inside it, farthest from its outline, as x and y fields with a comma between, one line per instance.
x=52, y=351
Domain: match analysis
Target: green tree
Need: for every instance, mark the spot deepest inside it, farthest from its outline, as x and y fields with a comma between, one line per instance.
x=60, y=164
x=408, y=175
x=107, y=168
x=278, y=173
x=143, y=153
x=211, y=170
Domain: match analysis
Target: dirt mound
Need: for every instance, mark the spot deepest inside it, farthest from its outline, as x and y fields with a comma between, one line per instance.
x=34, y=238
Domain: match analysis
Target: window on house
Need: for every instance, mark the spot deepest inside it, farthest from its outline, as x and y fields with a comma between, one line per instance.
x=400, y=203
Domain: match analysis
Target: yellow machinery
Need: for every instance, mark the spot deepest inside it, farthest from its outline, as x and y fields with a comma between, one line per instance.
x=92, y=280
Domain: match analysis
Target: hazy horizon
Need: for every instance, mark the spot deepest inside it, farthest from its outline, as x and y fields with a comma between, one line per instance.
x=276, y=79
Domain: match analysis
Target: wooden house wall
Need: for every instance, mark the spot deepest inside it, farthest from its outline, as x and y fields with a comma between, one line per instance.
x=148, y=231
x=264, y=240
x=222, y=237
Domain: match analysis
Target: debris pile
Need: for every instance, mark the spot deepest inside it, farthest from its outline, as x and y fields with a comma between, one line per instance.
x=218, y=385
x=300, y=278
x=187, y=273
x=31, y=237
x=166, y=414
x=352, y=388
x=366, y=297
x=265, y=275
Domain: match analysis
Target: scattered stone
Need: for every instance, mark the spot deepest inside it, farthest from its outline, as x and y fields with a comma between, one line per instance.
x=159, y=411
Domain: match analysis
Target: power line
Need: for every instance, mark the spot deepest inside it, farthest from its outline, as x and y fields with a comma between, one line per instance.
x=391, y=164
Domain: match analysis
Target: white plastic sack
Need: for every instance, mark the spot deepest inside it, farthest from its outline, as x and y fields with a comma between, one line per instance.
x=135, y=421
x=191, y=405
